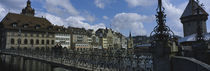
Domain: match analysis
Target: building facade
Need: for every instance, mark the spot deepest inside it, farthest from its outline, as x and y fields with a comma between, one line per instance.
x=62, y=36
x=110, y=39
x=140, y=40
x=26, y=31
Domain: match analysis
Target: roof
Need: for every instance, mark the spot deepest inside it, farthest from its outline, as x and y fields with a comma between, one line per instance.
x=193, y=38
x=20, y=20
x=191, y=9
x=78, y=31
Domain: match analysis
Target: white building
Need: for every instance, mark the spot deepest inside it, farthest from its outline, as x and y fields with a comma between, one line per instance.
x=64, y=39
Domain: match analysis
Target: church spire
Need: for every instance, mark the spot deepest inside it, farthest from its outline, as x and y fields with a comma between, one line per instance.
x=28, y=10
x=130, y=35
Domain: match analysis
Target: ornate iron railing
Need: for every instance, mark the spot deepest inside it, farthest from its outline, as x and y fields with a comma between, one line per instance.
x=114, y=60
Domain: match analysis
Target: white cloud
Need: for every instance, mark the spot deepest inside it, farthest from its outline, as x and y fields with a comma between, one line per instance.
x=207, y=8
x=130, y=22
x=2, y=12
x=173, y=16
x=99, y=3
x=105, y=17
x=52, y=18
x=60, y=7
x=13, y=4
x=77, y=21
x=102, y=3
x=74, y=21
x=88, y=16
x=134, y=3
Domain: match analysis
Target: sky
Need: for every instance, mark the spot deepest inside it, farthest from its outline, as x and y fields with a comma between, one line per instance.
x=124, y=16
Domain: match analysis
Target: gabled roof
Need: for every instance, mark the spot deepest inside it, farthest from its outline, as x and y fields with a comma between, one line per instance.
x=191, y=9
x=20, y=20
x=24, y=19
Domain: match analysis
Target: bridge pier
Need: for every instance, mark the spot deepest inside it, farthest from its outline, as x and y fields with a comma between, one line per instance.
x=18, y=62
x=23, y=64
x=11, y=61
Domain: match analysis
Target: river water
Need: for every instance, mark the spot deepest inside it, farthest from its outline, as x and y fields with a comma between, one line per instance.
x=12, y=63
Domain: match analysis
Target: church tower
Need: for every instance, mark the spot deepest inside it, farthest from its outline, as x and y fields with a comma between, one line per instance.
x=189, y=18
x=130, y=41
x=28, y=10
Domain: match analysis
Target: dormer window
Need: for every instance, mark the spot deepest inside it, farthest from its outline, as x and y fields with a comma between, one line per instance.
x=14, y=24
x=25, y=26
x=37, y=26
x=59, y=29
x=50, y=27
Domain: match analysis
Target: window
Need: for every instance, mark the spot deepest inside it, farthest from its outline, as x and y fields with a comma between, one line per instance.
x=42, y=35
x=52, y=42
x=42, y=42
x=19, y=41
x=48, y=42
x=12, y=34
x=25, y=34
x=37, y=35
x=47, y=35
x=37, y=26
x=31, y=34
x=25, y=41
x=12, y=41
x=32, y=41
x=14, y=24
x=37, y=41
x=59, y=29
x=25, y=26
x=50, y=27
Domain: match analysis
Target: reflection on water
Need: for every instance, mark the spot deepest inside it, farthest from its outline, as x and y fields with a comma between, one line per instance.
x=61, y=69
x=12, y=63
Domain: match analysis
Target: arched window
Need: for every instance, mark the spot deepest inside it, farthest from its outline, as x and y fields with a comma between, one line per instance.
x=19, y=41
x=52, y=42
x=25, y=41
x=12, y=41
x=42, y=42
x=48, y=42
x=37, y=41
x=32, y=41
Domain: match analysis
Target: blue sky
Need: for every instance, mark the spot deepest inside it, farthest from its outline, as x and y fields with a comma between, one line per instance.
x=137, y=16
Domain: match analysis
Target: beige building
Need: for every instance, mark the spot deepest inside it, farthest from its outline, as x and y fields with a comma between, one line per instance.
x=26, y=31
x=110, y=39
x=79, y=38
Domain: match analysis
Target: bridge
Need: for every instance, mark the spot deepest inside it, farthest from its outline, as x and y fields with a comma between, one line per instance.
x=158, y=58
x=90, y=60
x=97, y=60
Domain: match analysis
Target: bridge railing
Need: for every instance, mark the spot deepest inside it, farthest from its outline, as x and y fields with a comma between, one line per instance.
x=92, y=59
x=180, y=63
